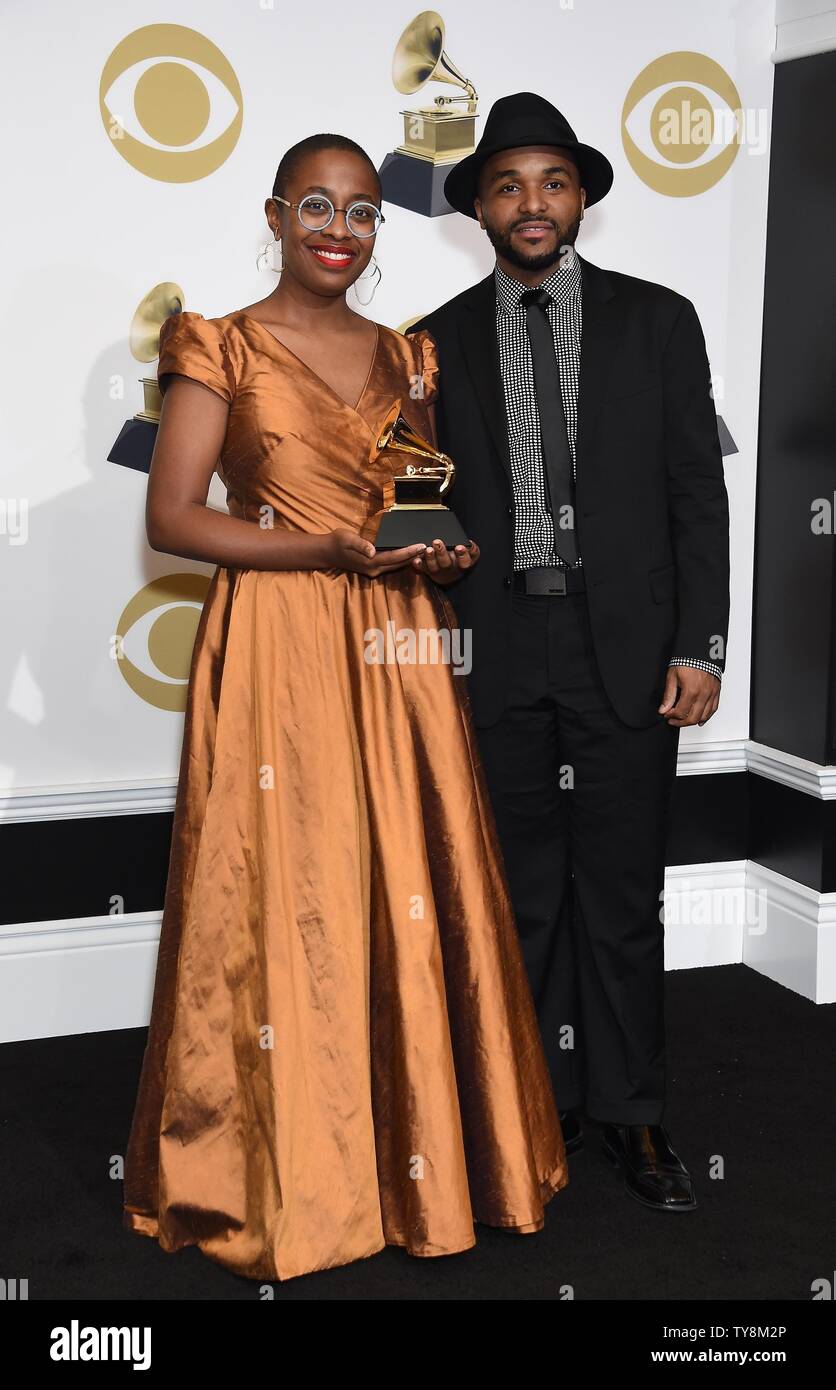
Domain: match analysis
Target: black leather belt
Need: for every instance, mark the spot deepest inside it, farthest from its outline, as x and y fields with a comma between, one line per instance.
x=549, y=579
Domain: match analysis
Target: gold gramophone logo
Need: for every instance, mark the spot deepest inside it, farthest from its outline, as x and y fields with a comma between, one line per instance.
x=412, y=509
x=171, y=103
x=135, y=444
x=155, y=635
x=689, y=109
x=436, y=136
x=158, y=305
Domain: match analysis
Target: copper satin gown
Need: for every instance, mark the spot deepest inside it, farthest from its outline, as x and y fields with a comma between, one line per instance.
x=343, y=1051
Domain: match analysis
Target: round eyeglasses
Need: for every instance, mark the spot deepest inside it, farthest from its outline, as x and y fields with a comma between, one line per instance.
x=317, y=212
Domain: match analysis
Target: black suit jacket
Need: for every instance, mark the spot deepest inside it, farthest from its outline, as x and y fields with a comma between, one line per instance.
x=652, y=511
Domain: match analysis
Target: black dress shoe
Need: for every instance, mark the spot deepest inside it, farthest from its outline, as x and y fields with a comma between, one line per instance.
x=654, y=1174
x=572, y=1132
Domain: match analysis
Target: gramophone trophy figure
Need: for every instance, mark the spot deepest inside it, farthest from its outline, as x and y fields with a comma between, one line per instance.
x=435, y=137
x=412, y=507
x=135, y=445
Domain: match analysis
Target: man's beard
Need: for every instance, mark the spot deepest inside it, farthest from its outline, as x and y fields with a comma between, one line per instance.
x=538, y=260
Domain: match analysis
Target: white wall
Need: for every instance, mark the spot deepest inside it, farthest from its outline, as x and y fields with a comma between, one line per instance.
x=87, y=235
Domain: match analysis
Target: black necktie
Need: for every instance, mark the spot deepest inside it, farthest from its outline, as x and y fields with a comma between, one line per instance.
x=557, y=457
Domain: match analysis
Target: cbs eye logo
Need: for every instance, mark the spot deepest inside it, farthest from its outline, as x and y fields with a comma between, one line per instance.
x=689, y=107
x=171, y=103
x=155, y=635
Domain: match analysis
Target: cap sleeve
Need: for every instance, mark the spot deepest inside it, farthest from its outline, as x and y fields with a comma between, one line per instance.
x=195, y=347
x=428, y=357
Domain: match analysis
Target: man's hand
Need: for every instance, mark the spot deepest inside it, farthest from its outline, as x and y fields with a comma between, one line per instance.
x=698, y=697
x=446, y=566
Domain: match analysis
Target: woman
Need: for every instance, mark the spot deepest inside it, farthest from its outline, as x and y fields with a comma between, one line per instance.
x=343, y=1051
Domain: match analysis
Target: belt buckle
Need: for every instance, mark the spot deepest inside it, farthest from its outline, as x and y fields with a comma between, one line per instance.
x=558, y=583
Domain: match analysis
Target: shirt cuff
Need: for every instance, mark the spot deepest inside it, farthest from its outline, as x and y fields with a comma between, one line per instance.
x=697, y=662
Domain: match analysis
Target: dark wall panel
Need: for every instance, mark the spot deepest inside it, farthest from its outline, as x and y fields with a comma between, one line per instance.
x=793, y=659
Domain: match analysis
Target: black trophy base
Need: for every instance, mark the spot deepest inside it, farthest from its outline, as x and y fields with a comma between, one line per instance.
x=399, y=527
x=415, y=184
x=135, y=445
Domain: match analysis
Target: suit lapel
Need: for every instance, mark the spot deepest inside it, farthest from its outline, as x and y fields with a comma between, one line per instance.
x=599, y=349
x=480, y=350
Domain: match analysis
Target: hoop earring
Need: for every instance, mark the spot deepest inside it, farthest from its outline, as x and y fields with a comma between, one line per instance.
x=376, y=275
x=266, y=258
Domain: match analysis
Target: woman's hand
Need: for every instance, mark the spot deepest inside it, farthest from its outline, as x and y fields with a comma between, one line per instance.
x=349, y=551
x=446, y=566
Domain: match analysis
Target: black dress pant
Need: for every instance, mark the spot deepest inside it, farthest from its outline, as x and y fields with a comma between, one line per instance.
x=581, y=803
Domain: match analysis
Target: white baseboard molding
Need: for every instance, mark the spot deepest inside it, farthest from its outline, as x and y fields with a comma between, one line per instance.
x=814, y=779
x=794, y=941
x=70, y=801
x=94, y=974
x=83, y=975
x=803, y=28
x=705, y=914
x=67, y=801
x=711, y=755
x=719, y=914
x=143, y=795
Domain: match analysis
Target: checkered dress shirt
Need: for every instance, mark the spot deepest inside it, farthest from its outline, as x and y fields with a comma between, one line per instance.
x=533, y=529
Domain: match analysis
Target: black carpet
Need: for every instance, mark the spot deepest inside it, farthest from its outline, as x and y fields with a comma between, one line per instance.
x=751, y=1081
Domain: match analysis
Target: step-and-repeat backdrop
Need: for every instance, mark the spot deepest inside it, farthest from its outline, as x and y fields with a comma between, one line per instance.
x=141, y=143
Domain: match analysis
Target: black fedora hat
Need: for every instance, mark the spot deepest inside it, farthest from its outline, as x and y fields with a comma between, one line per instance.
x=526, y=119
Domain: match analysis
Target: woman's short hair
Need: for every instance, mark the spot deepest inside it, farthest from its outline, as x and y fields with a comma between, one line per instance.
x=312, y=144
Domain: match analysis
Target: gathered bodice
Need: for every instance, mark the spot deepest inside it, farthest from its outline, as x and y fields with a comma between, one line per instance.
x=295, y=452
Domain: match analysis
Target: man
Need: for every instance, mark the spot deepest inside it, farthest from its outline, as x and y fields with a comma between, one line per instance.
x=576, y=405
